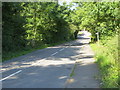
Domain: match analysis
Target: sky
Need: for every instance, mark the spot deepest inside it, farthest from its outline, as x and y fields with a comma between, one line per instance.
x=61, y=1
x=67, y=1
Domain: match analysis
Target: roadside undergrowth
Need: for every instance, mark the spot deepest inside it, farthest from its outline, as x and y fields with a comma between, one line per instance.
x=106, y=55
x=23, y=51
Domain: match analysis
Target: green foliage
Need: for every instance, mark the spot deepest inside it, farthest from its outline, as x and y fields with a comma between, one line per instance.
x=107, y=58
x=28, y=26
x=34, y=24
x=13, y=31
x=11, y=54
x=102, y=17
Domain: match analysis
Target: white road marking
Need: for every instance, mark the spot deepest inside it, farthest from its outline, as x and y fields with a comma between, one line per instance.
x=62, y=49
x=66, y=46
x=21, y=70
x=10, y=75
x=54, y=53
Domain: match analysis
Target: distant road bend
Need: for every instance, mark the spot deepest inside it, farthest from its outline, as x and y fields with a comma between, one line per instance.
x=46, y=68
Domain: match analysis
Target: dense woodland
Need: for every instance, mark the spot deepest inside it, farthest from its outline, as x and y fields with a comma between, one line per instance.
x=32, y=24
x=28, y=25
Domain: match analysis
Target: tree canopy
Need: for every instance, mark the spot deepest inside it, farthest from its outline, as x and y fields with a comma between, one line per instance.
x=28, y=24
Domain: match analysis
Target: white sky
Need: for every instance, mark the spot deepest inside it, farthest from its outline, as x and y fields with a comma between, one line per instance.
x=67, y=1
x=61, y=1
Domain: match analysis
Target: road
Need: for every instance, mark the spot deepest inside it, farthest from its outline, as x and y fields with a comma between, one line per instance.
x=45, y=68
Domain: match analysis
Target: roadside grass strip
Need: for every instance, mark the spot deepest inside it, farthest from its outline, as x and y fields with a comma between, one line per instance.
x=107, y=60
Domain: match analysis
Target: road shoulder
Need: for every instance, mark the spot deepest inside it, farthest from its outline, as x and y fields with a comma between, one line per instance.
x=86, y=72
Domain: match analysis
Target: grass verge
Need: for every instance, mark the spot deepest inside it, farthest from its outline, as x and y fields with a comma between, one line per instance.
x=10, y=55
x=72, y=73
x=107, y=58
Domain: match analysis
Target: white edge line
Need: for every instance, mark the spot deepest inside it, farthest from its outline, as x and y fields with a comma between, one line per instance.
x=54, y=53
x=10, y=75
x=62, y=49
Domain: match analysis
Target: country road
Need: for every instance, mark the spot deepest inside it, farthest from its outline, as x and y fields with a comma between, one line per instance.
x=46, y=68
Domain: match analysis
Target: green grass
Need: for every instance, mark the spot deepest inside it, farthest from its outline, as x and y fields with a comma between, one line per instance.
x=10, y=55
x=107, y=58
x=73, y=73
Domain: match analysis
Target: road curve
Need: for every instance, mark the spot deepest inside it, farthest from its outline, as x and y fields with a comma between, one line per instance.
x=46, y=68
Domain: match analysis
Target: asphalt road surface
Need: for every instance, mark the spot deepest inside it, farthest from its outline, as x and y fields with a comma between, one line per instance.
x=46, y=68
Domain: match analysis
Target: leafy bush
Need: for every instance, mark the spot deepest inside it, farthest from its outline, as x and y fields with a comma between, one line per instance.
x=30, y=25
x=107, y=58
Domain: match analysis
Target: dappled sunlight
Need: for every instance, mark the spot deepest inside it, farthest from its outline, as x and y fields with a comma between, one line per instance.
x=50, y=66
x=45, y=63
x=71, y=80
x=32, y=73
x=63, y=77
x=85, y=63
x=40, y=25
x=38, y=59
x=84, y=76
x=36, y=74
x=13, y=77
